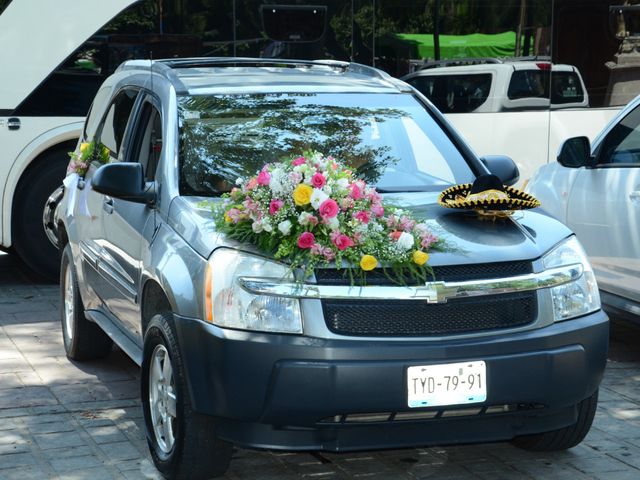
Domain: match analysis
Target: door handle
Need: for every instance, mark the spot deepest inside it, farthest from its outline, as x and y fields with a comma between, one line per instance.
x=635, y=196
x=107, y=205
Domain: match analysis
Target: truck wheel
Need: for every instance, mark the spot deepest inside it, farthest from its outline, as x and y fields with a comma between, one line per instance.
x=29, y=239
x=83, y=339
x=183, y=443
x=563, y=438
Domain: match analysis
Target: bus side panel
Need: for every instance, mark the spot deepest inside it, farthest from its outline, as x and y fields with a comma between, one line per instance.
x=20, y=147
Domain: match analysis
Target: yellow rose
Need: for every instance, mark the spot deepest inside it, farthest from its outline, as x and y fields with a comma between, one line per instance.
x=227, y=218
x=302, y=194
x=368, y=262
x=420, y=258
x=84, y=146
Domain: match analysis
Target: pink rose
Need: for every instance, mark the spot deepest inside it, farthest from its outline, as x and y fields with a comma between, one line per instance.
x=377, y=210
x=342, y=242
x=253, y=183
x=407, y=224
x=274, y=206
x=361, y=216
x=263, y=178
x=298, y=161
x=234, y=215
x=328, y=209
x=355, y=193
x=346, y=203
x=306, y=240
x=318, y=180
x=328, y=254
x=427, y=240
x=295, y=177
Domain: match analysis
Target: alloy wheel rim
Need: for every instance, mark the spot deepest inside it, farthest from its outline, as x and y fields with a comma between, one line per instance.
x=162, y=398
x=68, y=303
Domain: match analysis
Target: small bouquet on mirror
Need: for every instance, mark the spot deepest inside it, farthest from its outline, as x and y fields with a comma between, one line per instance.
x=87, y=153
x=311, y=211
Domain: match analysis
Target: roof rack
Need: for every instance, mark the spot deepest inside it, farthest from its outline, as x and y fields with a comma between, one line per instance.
x=166, y=67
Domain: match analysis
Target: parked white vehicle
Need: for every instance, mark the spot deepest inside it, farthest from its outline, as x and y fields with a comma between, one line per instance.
x=503, y=107
x=501, y=86
x=43, y=102
x=595, y=190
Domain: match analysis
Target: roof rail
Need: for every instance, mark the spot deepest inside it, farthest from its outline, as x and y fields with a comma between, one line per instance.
x=276, y=62
x=239, y=61
x=166, y=66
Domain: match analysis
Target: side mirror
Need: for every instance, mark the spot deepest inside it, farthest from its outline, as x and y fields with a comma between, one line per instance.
x=124, y=181
x=575, y=153
x=502, y=167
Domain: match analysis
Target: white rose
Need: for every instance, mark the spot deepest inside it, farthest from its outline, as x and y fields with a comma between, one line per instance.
x=285, y=227
x=406, y=241
x=266, y=225
x=333, y=223
x=342, y=183
x=317, y=197
x=257, y=227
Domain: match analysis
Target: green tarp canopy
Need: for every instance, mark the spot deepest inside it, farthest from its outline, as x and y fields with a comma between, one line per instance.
x=463, y=46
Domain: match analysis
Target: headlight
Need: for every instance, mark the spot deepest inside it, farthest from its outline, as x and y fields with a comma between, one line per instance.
x=228, y=305
x=575, y=298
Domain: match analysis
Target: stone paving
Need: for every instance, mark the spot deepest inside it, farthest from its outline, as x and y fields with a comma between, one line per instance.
x=69, y=420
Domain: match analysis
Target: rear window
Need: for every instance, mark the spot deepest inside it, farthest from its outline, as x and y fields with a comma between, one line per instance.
x=529, y=84
x=455, y=93
x=566, y=88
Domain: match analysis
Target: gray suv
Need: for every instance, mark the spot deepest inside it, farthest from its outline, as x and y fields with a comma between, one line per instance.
x=234, y=351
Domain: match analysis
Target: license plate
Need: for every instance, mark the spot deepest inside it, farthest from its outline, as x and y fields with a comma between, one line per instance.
x=447, y=384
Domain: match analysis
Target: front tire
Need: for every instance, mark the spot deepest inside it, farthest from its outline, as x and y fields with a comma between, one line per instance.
x=182, y=443
x=29, y=238
x=83, y=339
x=564, y=438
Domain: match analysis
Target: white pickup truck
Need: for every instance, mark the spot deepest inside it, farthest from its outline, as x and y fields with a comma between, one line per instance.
x=523, y=109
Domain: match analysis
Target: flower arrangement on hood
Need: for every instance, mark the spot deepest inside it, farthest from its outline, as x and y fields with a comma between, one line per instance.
x=311, y=211
x=84, y=155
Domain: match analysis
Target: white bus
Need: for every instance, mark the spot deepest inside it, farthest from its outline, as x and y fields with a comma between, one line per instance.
x=55, y=54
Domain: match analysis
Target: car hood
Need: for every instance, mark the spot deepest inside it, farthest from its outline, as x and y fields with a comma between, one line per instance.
x=525, y=235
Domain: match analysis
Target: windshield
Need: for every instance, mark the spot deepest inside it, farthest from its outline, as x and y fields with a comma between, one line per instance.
x=390, y=140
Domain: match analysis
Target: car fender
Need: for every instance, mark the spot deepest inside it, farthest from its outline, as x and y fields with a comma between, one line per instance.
x=179, y=270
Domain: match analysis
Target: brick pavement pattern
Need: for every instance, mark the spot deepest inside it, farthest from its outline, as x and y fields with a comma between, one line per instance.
x=69, y=420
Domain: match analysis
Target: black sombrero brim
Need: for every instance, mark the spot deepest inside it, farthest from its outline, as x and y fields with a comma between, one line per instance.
x=455, y=197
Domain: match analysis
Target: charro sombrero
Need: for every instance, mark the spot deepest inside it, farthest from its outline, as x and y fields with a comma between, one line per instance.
x=487, y=194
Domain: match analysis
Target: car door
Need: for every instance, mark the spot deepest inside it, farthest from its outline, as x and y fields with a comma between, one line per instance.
x=90, y=205
x=604, y=208
x=128, y=226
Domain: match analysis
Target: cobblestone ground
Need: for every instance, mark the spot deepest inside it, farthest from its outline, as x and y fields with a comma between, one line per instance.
x=61, y=419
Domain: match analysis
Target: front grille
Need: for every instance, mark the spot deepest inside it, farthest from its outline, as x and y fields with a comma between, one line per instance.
x=413, y=318
x=400, y=318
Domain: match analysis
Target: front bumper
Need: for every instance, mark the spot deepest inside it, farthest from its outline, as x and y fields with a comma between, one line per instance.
x=273, y=391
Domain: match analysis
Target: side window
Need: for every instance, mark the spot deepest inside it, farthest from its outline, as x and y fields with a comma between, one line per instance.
x=95, y=112
x=146, y=146
x=622, y=144
x=115, y=122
